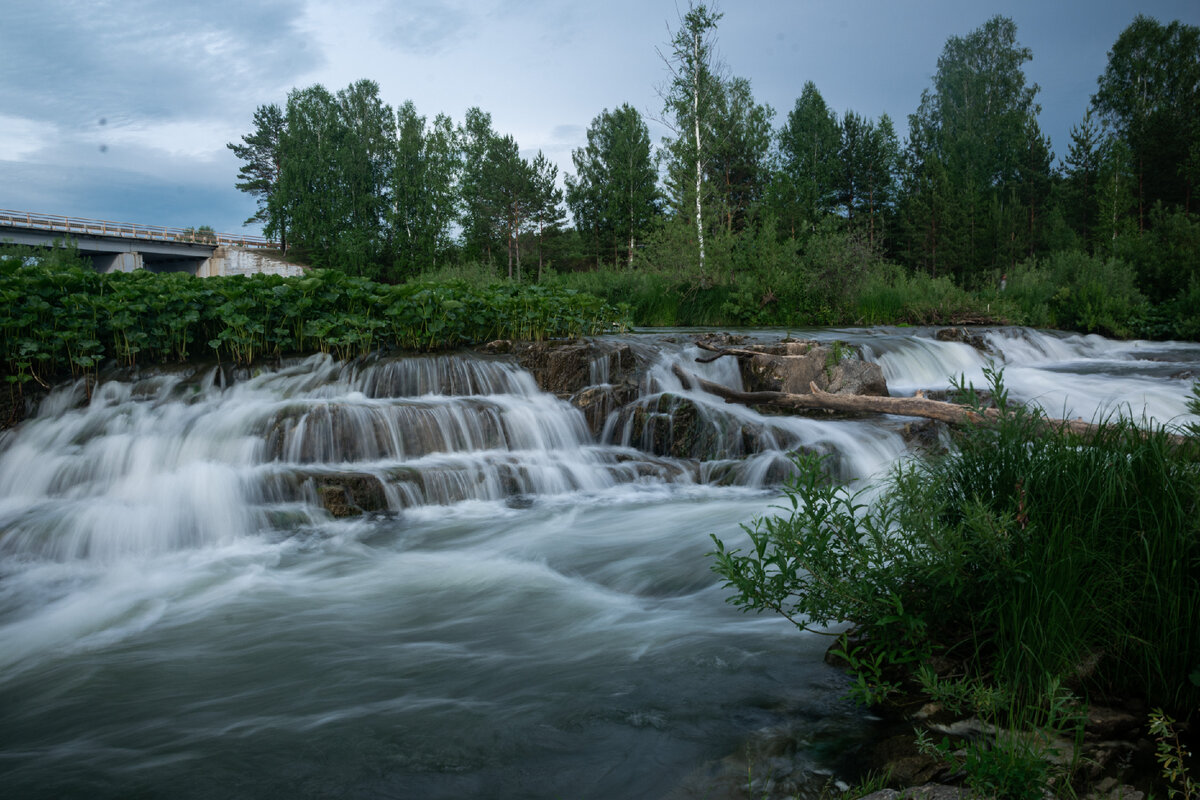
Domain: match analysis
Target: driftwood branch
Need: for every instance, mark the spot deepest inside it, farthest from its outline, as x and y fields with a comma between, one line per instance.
x=736, y=352
x=919, y=406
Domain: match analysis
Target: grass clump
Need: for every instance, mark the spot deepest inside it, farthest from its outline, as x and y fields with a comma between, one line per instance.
x=1040, y=564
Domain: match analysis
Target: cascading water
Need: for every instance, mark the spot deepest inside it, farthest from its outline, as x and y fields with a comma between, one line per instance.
x=530, y=613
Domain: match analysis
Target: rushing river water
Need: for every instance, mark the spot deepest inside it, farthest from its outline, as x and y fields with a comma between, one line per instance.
x=534, y=616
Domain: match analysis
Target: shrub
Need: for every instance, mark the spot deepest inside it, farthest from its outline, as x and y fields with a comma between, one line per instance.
x=1034, y=558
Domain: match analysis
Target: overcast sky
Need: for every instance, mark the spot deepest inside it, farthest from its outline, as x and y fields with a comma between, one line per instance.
x=121, y=109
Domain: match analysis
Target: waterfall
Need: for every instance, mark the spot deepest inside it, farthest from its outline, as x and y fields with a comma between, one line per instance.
x=428, y=577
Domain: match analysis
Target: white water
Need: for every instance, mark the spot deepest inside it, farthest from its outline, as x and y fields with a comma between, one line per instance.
x=535, y=617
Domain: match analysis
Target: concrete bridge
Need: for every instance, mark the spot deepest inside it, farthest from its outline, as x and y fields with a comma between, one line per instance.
x=125, y=246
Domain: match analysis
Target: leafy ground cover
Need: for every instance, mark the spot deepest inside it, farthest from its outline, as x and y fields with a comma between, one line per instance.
x=67, y=319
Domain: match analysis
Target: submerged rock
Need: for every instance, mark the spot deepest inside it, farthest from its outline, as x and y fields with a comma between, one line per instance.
x=964, y=335
x=350, y=494
x=597, y=377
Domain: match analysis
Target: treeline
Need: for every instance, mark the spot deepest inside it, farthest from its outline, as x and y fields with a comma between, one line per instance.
x=780, y=225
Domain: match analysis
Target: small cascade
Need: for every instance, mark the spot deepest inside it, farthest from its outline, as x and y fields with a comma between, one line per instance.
x=477, y=574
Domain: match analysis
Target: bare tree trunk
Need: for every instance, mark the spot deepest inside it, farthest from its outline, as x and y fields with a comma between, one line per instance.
x=699, y=161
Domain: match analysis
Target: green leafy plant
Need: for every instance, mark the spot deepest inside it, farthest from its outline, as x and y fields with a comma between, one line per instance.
x=1172, y=757
x=63, y=320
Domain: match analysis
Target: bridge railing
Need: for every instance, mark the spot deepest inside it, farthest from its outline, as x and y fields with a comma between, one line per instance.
x=128, y=230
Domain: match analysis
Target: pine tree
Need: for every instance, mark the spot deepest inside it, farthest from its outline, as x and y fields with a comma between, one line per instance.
x=259, y=175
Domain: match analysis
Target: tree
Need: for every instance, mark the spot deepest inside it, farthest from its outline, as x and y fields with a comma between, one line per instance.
x=423, y=184
x=546, y=202
x=975, y=125
x=259, y=175
x=508, y=180
x=688, y=103
x=479, y=215
x=308, y=187
x=806, y=184
x=336, y=155
x=739, y=168
x=868, y=156
x=1081, y=172
x=614, y=192
x=1150, y=95
x=364, y=161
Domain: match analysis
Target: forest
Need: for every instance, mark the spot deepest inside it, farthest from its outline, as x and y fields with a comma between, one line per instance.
x=737, y=220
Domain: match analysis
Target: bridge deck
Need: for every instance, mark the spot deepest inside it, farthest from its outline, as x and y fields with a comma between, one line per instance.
x=129, y=230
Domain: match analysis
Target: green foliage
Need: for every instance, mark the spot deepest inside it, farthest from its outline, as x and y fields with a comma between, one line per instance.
x=69, y=321
x=614, y=193
x=802, y=225
x=1092, y=294
x=1148, y=94
x=1165, y=257
x=1033, y=557
x=1172, y=757
x=978, y=166
x=890, y=295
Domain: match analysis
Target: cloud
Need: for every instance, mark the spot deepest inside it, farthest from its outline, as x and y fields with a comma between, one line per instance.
x=74, y=62
x=21, y=137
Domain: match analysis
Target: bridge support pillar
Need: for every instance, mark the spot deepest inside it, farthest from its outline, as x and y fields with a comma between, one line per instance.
x=117, y=262
x=212, y=266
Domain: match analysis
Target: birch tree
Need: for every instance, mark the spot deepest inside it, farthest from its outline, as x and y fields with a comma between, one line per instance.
x=688, y=103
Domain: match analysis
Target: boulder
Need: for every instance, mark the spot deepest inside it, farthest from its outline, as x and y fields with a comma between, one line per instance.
x=597, y=377
x=791, y=366
x=964, y=335
x=674, y=426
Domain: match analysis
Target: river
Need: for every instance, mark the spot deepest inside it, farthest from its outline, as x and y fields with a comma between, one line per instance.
x=533, y=616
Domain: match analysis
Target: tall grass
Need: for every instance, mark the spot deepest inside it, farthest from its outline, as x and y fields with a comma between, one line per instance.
x=1033, y=558
x=1078, y=558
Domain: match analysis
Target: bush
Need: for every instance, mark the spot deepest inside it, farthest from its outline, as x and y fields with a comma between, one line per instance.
x=59, y=321
x=1034, y=558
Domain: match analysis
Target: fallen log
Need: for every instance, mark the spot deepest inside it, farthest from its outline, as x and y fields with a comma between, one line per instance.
x=949, y=413
x=952, y=413
x=736, y=352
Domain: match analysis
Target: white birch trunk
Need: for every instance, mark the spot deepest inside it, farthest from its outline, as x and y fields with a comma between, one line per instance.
x=699, y=162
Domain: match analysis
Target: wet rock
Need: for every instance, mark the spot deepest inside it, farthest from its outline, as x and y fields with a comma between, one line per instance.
x=14, y=408
x=597, y=377
x=1104, y=722
x=597, y=402
x=350, y=494
x=670, y=425
x=1112, y=789
x=964, y=335
x=924, y=434
x=792, y=366
x=723, y=339
x=857, y=377
x=907, y=766
x=565, y=368
x=498, y=346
